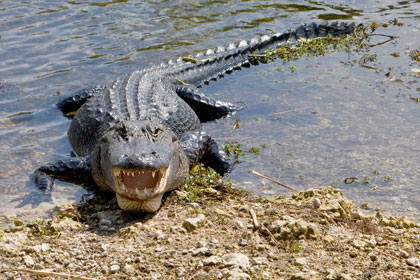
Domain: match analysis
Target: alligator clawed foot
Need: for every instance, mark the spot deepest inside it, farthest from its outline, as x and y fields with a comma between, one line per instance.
x=44, y=181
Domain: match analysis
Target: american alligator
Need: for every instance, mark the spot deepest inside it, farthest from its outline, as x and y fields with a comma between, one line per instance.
x=138, y=136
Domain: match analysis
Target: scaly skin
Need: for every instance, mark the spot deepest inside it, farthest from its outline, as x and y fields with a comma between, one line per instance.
x=138, y=136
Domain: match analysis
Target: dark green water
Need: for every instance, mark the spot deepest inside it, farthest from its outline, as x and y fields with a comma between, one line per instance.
x=328, y=120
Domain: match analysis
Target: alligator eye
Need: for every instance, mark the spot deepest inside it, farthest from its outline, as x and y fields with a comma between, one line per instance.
x=156, y=132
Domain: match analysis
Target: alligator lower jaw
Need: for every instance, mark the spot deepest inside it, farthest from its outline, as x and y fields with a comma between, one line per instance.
x=140, y=184
x=150, y=205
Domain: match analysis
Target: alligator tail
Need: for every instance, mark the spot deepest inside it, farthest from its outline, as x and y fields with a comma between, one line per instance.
x=215, y=63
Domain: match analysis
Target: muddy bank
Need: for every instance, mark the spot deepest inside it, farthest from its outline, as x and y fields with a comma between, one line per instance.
x=207, y=230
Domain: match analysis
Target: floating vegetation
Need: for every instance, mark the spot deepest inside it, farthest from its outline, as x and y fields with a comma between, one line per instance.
x=233, y=150
x=311, y=47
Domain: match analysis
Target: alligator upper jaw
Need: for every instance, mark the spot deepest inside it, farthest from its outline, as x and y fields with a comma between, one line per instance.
x=140, y=184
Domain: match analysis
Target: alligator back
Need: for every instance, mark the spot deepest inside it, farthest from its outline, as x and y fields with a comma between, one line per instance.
x=150, y=94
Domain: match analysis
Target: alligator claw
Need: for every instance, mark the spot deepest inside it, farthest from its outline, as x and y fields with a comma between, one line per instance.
x=44, y=181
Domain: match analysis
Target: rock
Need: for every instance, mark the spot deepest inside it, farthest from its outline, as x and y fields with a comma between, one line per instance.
x=67, y=224
x=373, y=257
x=290, y=228
x=236, y=274
x=105, y=246
x=45, y=247
x=414, y=261
x=266, y=275
x=236, y=260
x=180, y=271
x=114, y=268
x=300, y=261
x=29, y=261
x=334, y=275
x=316, y=203
x=310, y=275
x=129, y=269
x=358, y=243
x=356, y=214
x=238, y=224
x=260, y=261
x=201, y=244
x=371, y=242
x=191, y=224
x=404, y=254
x=243, y=242
x=213, y=260
x=200, y=251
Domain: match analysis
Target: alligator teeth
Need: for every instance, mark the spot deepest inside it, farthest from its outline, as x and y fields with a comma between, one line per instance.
x=153, y=174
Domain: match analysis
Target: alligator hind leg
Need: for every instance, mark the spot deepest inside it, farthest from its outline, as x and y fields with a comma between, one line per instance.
x=75, y=169
x=200, y=147
x=73, y=103
x=206, y=108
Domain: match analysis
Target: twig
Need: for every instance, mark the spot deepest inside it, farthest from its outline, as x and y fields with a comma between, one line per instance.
x=263, y=227
x=46, y=273
x=272, y=180
x=278, y=114
x=362, y=62
x=254, y=218
x=380, y=43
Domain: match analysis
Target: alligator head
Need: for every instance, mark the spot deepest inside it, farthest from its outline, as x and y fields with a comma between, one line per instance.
x=139, y=161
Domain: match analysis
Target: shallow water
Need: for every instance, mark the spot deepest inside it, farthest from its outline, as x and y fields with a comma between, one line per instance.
x=328, y=120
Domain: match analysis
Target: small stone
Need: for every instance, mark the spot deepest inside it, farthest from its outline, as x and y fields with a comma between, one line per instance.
x=191, y=224
x=353, y=253
x=358, y=243
x=260, y=261
x=309, y=275
x=373, y=257
x=161, y=236
x=45, y=247
x=260, y=247
x=105, y=222
x=404, y=254
x=201, y=244
x=180, y=271
x=300, y=261
x=243, y=242
x=213, y=260
x=105, y=246
x=29, y=261
x=356, y=214
x=316, y=203
x=200, y=251
x=129, y=269
x=266, y=275
x=413, y=261
x=214, y=241
x=371, y=242
x=238, y=224
x=237, y=274
x=236, y=260
x=114, y=268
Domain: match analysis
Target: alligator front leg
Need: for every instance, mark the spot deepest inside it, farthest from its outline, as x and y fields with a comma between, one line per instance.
x=75, y=169
x=206, y=108
x=73, y=103
x=200, y=147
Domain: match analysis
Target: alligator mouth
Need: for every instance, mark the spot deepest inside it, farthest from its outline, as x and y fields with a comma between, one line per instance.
x=134, y=181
